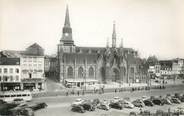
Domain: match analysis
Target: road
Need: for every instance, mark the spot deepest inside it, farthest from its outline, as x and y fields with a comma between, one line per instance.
x=60, y=105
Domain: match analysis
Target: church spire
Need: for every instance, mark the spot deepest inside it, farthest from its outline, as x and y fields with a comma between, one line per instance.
x=67, y=18
x=67, y=31
x=114, y=35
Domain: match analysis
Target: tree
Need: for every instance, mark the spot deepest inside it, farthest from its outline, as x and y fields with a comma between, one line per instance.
x=151, y=61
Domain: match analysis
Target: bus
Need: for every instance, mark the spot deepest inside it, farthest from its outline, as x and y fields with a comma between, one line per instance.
x=10, y=96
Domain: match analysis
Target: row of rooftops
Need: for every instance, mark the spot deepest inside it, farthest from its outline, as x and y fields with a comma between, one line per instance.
x=33, y=50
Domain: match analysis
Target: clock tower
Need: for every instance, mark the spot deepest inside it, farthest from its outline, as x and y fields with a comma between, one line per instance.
x=66, y=39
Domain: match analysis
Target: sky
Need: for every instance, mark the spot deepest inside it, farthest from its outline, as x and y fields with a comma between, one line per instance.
x=153, y=27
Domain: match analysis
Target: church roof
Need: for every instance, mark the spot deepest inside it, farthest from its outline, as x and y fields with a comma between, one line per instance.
x=80, y=58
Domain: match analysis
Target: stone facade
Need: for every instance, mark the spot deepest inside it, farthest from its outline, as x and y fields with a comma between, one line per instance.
x=104, y=64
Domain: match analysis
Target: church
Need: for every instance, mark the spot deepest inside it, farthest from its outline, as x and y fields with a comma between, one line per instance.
x=89, y=65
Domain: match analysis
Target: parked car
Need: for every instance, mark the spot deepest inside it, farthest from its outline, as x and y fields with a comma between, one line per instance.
x=175, y=100
x=38, y=106
x=138, y=103
x=157, y=101
x=95, y=101
x=88, y=105
x=116, y=105
x=116, y=99
x=127, y=104
x=148, y=102
x=103, y=107
x=179, y=96
x=77, y=102
x=166, y=101
x=78, y=108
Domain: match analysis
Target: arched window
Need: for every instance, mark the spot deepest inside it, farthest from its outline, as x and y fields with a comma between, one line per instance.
x=91, y=72
x=70, y=72
x=80, y=72
x=132, y=70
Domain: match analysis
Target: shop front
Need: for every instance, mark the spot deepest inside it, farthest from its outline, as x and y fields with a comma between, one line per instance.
x=33, y=84
x=8, y=86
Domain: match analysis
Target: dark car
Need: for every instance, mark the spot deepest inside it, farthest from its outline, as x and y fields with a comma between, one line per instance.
x=157, y=101
x=78, y=108
x=148, y=102
x=38, y=106
x=179, y=96
x=88, y=105
x=116, y=105
x=175, y=100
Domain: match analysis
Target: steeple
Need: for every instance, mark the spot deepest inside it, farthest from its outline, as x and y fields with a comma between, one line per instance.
x=114, y=35
x=67, y=18
x=67, y=31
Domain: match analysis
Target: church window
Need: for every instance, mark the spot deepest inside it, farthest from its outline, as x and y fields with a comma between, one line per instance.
x=91, y=72
x=132, y=70
x=70, y=72
x=80, y=72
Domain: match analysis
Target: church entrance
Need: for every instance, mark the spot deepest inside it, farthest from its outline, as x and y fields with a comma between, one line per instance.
x=115, y=75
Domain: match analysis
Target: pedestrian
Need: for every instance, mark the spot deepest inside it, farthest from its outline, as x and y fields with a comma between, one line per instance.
x=115, y=90
x=78, y=93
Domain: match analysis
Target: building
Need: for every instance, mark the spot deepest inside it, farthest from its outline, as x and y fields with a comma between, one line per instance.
x=81, y=65
x=31, y=66
x=168, y=68
x=178, y=66
x=10, y=74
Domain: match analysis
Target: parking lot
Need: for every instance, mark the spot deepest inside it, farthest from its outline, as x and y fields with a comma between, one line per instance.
x=66, y=110
x=62, y=105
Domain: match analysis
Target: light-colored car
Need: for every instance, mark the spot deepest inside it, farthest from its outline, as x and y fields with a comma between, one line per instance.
x=116, y=99
x=103, y=106
x=128, y=104
x=78, y=101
